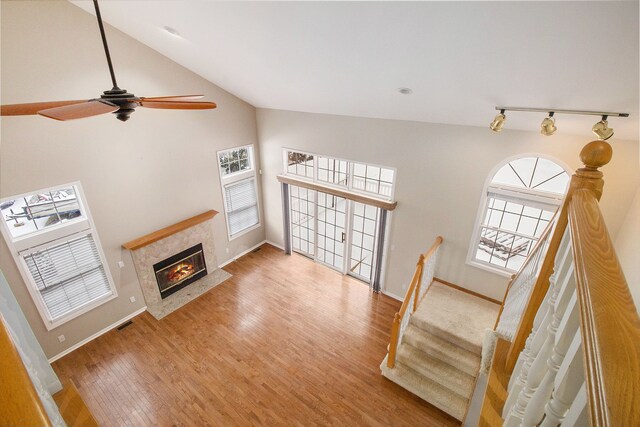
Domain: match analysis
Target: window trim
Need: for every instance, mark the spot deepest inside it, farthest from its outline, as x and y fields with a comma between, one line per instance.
x=233, y=178
x=49, y=237
x=536, y=196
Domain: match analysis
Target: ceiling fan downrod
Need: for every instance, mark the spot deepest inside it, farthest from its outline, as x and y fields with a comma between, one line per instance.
x=117, y=96
x=106, y=46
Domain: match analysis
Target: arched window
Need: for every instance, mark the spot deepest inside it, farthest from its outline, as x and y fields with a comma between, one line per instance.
x=519, y=201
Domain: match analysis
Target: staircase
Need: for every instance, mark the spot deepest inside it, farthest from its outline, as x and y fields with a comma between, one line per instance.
x=439, y=356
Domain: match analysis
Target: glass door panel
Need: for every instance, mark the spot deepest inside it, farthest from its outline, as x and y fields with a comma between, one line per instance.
x=302, y=211
x=364, y=226
x=331, y=230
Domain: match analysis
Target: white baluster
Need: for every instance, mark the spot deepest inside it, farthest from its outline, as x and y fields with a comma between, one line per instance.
x=578, y=413
x=569, y=324
x=538, y=334
x=532, y=347
x=534, y=365
x=567, y=384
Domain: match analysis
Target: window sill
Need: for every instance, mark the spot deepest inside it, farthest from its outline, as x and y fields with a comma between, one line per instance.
x=52, y=324
x=494, y=270
x=245, y=231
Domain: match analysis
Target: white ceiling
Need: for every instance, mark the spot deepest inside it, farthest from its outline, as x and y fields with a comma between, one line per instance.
x=461, y=59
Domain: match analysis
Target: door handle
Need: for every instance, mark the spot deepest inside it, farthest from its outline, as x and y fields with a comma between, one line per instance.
x=343, y=237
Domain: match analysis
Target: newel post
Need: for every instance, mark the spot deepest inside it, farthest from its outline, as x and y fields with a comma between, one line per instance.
x=593, y=156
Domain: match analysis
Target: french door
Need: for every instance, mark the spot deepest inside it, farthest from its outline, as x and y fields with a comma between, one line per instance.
x=362, y=248
x=336, y=232
x=332, y=217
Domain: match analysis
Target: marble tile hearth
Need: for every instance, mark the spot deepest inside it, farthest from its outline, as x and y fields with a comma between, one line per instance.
x=159, y=245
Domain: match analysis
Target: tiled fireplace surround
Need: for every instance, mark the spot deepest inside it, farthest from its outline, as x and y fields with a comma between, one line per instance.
x=159, y=245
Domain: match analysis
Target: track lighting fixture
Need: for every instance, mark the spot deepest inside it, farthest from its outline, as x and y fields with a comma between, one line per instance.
x=602, y=129
x=548, y=125
x=498, y=122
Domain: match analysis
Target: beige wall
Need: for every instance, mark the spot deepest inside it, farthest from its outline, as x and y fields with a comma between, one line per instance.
x=628, y=248
x=441, y=174
x=138, y=176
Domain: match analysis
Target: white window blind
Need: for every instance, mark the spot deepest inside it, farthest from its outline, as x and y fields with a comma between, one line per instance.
x=242, y=205
x=68, y=275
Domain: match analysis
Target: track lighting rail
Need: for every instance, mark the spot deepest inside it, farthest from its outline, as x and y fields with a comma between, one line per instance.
x=559, y=111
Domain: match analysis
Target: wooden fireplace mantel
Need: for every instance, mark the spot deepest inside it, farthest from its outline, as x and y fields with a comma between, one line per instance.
x=143, y=241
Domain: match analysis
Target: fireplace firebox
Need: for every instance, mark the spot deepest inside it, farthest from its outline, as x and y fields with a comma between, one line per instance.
x=179, y=270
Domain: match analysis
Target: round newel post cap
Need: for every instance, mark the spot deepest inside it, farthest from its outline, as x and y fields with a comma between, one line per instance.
x=596, y=154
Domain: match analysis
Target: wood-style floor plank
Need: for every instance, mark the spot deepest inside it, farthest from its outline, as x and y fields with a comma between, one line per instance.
x=285, y=341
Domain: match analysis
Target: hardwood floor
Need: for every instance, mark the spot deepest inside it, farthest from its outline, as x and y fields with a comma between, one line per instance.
x=285, y=341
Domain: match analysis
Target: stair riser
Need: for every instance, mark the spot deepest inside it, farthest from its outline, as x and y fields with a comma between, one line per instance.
x=445, y=335
x=427, y=390
x=454, y=380
x=457, y=357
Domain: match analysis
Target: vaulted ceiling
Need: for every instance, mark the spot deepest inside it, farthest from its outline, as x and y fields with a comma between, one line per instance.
x=460, y=59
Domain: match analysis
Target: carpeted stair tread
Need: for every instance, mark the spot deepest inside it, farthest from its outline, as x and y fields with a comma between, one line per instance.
x=432, y=392
x=442, y=350
x=436, y=370
x=455, y=316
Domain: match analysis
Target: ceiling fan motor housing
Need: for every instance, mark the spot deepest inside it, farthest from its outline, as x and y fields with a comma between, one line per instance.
x=127, y=102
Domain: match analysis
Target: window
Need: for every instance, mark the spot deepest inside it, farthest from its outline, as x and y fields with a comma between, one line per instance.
x=238, y=179
x=373, y=179
x=53, y=240
x=333, y=171
x=518, y=203
x=235, y=161
x=300, y=164
x=377, y=181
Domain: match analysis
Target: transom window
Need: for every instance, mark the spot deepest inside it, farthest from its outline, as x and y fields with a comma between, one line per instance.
x=355, y=176
x=36, y=212
x=518, y=204
x=300, y=164
x=56, y=247
x=235, y=160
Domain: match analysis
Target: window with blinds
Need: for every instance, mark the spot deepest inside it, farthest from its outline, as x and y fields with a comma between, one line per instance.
x=239, y=190
x=241, y=206
x=59, y=254
x=68, y=275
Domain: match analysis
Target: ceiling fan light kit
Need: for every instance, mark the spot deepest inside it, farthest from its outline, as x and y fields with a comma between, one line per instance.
x=117, y=101
x=548, y=125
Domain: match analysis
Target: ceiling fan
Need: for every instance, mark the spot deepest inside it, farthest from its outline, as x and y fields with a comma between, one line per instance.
x=117, y=101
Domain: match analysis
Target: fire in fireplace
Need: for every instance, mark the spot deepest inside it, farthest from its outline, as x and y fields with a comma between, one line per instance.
x=179, y=270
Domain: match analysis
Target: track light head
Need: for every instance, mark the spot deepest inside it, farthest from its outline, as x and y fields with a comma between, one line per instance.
x=602, y=129
x=498, y=122
x=548, y=125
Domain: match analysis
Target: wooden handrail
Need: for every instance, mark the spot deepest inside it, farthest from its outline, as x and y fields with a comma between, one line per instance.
x=610, y=326
x=594, y=155
x=427, y=255
x=413, y=289
x=20, y=404
x=397, y=318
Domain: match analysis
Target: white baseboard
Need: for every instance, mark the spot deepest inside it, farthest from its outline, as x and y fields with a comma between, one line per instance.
x=97, y=334
x=273, y=244
x=392, y=295
x=243, y=253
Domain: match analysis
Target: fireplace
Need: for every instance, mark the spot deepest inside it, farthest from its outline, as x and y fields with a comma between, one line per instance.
x=179, y=270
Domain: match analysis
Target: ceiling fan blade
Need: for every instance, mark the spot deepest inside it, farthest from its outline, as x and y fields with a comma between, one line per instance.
x=173, y=98
x=34, y=107
x=177, y=105
x=93, y=107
